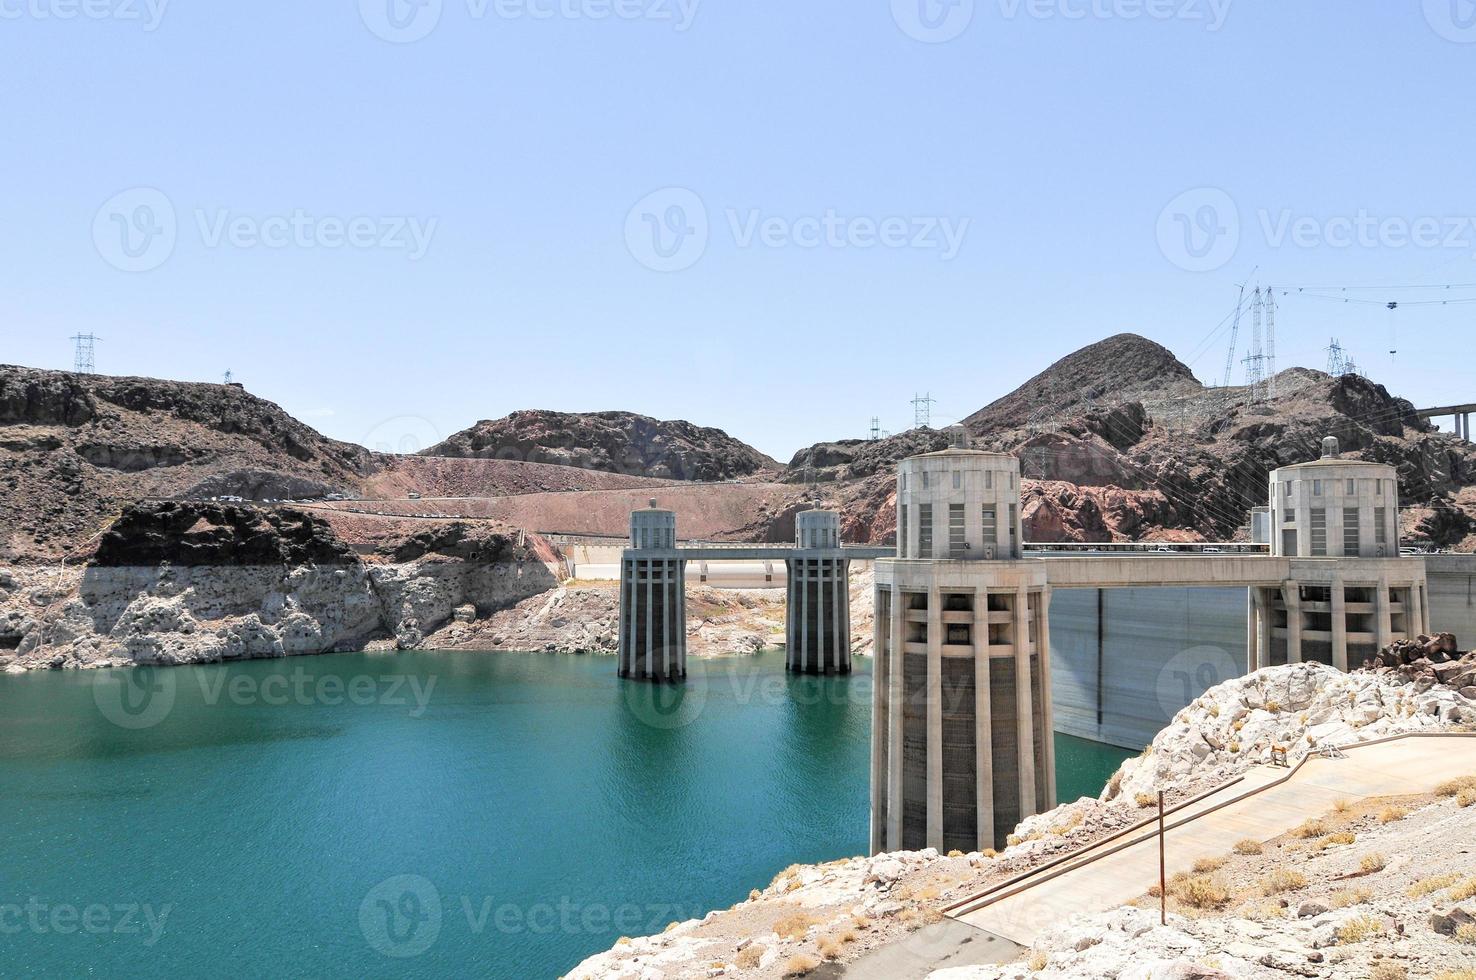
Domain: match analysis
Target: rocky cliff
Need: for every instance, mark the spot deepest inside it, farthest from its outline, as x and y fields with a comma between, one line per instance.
x=189, y=582
x=1119, y=441
x=77, y=448
x=616, y=442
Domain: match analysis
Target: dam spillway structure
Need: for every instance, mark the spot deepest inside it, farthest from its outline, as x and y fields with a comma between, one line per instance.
x=818, y=607
x=653, y=605
x=1361, y=595
x=962, y=726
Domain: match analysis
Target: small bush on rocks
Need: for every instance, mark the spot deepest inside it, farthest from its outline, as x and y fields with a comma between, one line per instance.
x=1453, y=787
x=1205, y=865
x=1373, y=862
x=1425, y=886
x=1248, y=847
x=1359, y=929
x=1466, y=797
x=1310, y=828
x=1388, y=971
x=1038, y=961
x=748, y=957
x=1351, y=896
x=795, y=926
x=1202, y=892
x=1466, y=934
x=800, y=964
x=1392, y=813
x=1333, y=840
x=1463, y=891
x=1282, y=880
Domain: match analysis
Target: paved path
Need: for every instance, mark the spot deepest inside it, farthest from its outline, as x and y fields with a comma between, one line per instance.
x=1259, y=807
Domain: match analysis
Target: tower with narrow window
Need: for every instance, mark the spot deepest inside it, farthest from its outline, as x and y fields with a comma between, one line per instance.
x=1348, y=593
x=962, y=732
x=818, y=613
x=653, y=607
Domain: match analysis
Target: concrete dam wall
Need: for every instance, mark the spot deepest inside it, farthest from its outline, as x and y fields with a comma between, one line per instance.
x=1124, y=661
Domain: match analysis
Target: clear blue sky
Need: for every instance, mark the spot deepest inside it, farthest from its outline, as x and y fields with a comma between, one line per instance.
x=521, y=146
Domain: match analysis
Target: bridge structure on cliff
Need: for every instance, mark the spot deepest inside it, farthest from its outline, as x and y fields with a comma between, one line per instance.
x=1461, y=414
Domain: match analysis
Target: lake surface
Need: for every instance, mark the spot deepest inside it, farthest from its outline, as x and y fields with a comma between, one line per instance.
x=418, y=814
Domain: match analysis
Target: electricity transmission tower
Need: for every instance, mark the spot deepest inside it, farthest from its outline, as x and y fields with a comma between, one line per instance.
x=228, y=376
x=1255, y=358
x=84, y=362
x=1270, y=303
x=1234, y=336
x=922, y=411
x=875, y=428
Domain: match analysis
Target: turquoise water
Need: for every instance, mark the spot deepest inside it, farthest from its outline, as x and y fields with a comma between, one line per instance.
x=422, y=814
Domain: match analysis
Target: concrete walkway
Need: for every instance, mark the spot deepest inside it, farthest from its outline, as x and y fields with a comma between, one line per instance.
x=1266, y=804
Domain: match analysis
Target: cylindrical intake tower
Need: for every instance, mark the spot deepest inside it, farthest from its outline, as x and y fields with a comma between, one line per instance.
x=1335, y=508
x=962, y=727
x=818, y=612
x=653, y=607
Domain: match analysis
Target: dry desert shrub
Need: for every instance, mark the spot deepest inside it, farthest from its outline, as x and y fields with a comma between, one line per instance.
x=1387, y=971
x=1351, y=896
x=1201, y=892
x=1374, y=861
x=1359, y=929
x=1205, y=865
x=1466, y=934
x=830, y=947
x=1248, y=847
x=1425, y=886
x=795, y=926
x=1146, y=799
x=1342, y=805
x=1463, y=891
x=799, y=964
x=1282, y=880
x=1310, y=828
x=1466, y=974
x=1333, y=840
x=748, y=957
x=1392, y=813
x=1038, y=961
x=1453, y=787
x=1466, y=797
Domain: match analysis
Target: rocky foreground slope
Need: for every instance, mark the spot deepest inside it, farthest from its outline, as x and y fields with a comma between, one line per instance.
x=810, y=917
